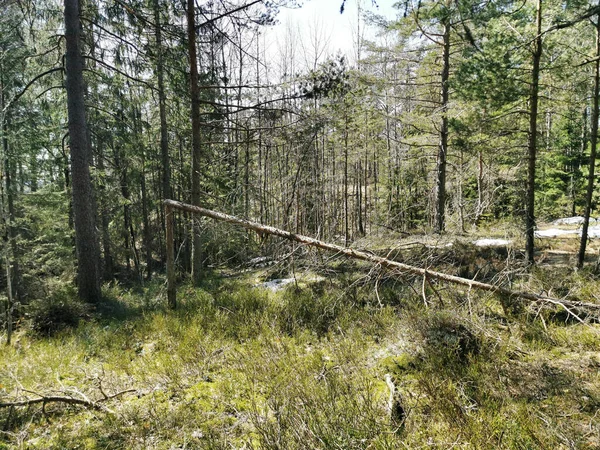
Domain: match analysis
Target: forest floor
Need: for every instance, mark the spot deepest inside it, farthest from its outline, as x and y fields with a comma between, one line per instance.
x=304, y=365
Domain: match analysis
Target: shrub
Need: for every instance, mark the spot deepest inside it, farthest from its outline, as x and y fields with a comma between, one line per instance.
x=447, y=338
x=302, y=309
x=58, y=312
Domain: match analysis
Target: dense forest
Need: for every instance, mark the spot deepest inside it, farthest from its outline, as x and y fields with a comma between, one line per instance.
x=452, y=121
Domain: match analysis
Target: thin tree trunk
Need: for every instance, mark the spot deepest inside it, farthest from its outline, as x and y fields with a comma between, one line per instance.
x=88, y=271
x=164, y=136
x=594, y=145
x=10, y=304
x=196, y=146
x=11, y=232
x=479, y=209
x=146, y=220
x=440, y=186
x=346, y=231
x=104, y=219
x=577, y=165
x=532, y=145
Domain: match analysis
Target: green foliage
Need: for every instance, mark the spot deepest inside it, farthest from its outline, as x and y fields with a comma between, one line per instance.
x=58, y=312
x=240, y=366
x=305, y=309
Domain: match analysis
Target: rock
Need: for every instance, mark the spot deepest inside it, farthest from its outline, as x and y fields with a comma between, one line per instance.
x=276, y=285
x=555, y=232
x=492, y=242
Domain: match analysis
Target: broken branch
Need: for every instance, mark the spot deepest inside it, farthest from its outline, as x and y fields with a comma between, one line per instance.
x=45, y=399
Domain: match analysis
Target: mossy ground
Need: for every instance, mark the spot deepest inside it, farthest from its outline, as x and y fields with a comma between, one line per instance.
x=236, y=366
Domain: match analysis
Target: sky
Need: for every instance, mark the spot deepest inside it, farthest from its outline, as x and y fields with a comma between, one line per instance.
x=317, y=29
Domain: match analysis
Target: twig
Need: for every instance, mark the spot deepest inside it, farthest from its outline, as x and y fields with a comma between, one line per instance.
x=435, y=291
x=423, y=290
x=377, y=292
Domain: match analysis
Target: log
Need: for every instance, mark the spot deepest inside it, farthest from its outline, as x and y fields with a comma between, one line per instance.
x=374, y=259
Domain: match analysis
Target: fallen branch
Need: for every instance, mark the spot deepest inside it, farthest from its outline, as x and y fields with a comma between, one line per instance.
x=45, y=399
x=568, y=306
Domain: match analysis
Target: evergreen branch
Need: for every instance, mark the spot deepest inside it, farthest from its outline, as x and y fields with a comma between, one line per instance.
x=593, y=11
x=114, y=35
x=120, y=72
x=20, y=94
x=146, y=21
x=245, y=108
x=228, y=13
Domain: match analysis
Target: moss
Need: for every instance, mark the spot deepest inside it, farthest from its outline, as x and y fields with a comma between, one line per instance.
x=399, y=364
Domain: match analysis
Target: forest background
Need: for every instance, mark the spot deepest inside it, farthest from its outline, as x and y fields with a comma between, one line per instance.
x=451, y=115
x=445, y=122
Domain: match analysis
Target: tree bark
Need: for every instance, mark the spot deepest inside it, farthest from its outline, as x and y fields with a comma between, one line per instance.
x=196, y=147
x=86, y=241
x=532, y=144
x=593, y=150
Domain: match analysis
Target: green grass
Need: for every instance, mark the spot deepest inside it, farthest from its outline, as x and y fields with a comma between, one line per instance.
x=239, y=367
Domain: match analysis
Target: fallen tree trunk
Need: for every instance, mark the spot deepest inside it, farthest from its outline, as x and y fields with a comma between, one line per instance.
x=365, y=256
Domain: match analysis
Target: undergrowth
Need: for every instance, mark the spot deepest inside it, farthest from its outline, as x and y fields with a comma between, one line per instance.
x=241, y=367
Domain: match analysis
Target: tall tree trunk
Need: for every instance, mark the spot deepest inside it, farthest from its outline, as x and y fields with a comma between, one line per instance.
x=346, y=230
x=594, y=146
x=164, y=137
x=11, y=232
x=86, y=241
x=440, y=181
x=196, y=147
x=532, y=144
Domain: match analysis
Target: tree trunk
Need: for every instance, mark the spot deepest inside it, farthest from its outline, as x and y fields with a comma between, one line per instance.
x=594, y=145
x=532, y=144
x=164, y=137
x=108, y=265
x=346, y=231
x=147, y=236
x=440, y=181
x=11, y=233
x=88, y=271
x=196, y=148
